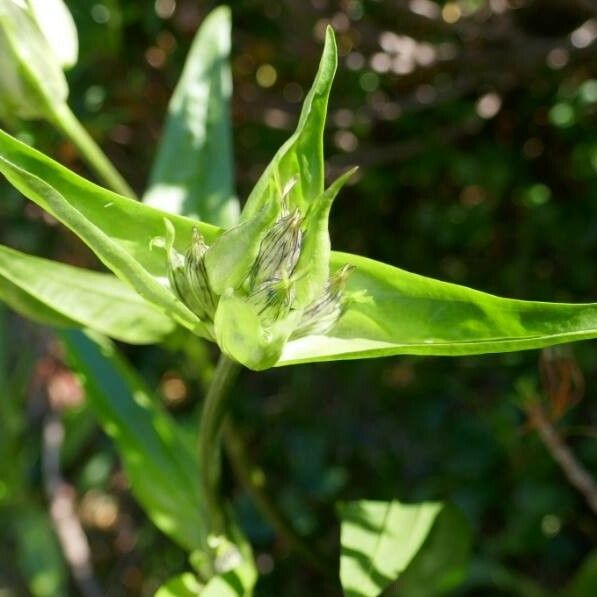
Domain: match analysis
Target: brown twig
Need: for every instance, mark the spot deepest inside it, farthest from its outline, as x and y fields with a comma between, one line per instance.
x=575, y=472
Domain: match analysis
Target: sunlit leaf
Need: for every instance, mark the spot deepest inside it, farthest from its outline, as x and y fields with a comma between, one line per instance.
x=183, y=585
x=379, y=540
x=60, y=295
x=301, y=157
x=403, y=313
x=193, y=172
x=117, y=229
x=442, y=563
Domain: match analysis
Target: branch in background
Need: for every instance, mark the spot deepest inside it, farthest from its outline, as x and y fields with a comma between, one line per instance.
x=563, y=385
x=575, y=472
x=62, y=511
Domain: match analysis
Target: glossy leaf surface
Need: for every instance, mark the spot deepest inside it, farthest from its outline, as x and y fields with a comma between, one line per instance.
x=379, y=540
x=193, y=173
x=158, y=462
x=403, y=313
x=65, y=296
x=442, y=563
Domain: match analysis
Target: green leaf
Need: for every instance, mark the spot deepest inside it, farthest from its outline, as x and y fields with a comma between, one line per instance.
x=183, y=585
x=235, y=583
x=403, y=313
x=55, y=294
x=193, y=172
x=584, y=581
x=379, y=540
x=117, y=229
x=313, y=267
x=301, y=157
x=159, y=464
x=39, y=554
x=442, y=563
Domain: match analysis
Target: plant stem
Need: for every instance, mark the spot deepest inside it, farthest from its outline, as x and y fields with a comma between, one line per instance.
x=253, y=480
x=210, y=433
x=64, y=119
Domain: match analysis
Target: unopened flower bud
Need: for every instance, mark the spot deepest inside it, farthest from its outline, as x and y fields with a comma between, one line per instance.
x=188, y=276
x=279, y=250
x=203, y=299
x=325, y=311
x=177, y=274
x=273, y=299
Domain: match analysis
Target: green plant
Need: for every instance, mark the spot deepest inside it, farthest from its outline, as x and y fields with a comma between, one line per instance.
x=269, y=290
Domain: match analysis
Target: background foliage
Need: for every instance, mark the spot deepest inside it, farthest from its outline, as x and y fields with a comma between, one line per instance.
x=474, y=126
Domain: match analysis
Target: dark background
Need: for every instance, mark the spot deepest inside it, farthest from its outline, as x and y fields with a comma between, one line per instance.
x=474, y=124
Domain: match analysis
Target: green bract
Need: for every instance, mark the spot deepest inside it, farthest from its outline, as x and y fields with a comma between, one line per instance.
x=37, y=39
x=268, y=290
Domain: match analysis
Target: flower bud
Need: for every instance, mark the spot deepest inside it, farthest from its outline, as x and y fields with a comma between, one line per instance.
x=177, y=274
x=273, y=299
x=202, y=297
x=279, y=251
x=324, y=312
x=187, y=274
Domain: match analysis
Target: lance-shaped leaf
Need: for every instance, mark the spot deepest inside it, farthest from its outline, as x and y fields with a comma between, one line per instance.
x=117, y=229
x=193, y=173
x=61, y=295
x=301, y=157
x=397, y=312
x=159, y=464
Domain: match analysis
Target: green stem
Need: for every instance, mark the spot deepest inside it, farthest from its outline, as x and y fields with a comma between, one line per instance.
x=63, y=119
x=210, y=433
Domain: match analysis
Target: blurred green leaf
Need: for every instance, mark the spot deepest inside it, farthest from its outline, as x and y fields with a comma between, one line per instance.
x=159, y=464
x=193, y=173
x=379, y=540
x=61, y=295
x=31, y=79
x=584, y=583
x=39, y=555
x=183, y=585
